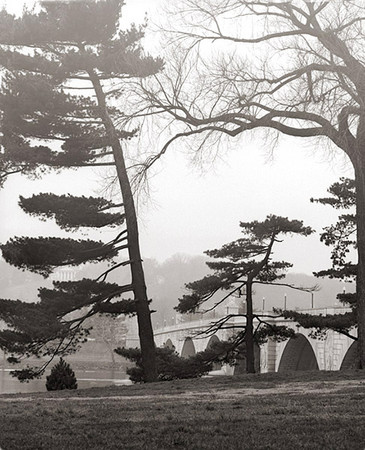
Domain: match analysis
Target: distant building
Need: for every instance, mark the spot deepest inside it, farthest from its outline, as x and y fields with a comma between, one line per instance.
x=66, y=273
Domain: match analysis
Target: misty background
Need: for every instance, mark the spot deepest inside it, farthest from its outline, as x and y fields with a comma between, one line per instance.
x=191, y=206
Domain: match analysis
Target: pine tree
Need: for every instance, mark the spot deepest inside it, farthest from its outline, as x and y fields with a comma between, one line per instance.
x=61, y=377
x=63, y=72
x=342, y=238
x=56, y=324
x=170, y=366
x=240, y=265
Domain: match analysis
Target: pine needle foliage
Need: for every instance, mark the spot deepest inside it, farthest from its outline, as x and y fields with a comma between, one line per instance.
x=341, y=237
x=72, y=212
x=237, y=266
x=61, y=377
x=170, y=366
x=64, y=70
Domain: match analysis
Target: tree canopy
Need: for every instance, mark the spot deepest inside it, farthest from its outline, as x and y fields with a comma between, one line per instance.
x=57, y=323
x=52, y=69
x=341, y=237
x=240, y=264
x=63, y=72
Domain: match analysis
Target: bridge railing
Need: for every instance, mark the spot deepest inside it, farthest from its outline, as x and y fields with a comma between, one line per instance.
x=201, y=323
x=182, y=326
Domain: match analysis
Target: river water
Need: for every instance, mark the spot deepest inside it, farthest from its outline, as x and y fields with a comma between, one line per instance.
x=85, y=379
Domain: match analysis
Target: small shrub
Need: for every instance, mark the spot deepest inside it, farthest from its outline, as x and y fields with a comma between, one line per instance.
x=170, y=365
x=61, y=377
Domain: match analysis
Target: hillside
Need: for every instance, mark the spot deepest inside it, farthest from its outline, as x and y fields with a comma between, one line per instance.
x=166, y=283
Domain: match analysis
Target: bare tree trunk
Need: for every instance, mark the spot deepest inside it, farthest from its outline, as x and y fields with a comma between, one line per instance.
x=360, y=278
x=145, y=330
x=250, y=354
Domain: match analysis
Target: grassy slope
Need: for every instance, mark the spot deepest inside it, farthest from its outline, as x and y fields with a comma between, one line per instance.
x=272, y=411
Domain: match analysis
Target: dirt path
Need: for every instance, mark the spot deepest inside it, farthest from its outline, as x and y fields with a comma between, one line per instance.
x=314, y=387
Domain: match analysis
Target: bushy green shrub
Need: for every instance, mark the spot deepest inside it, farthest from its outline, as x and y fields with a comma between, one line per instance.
x=61, y=377
x=170, y=365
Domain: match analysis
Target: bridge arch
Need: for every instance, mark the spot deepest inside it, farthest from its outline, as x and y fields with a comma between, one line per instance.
x=213, y=340
x=188, y=348
x=169, y=344
x=298, y=354
x=350, y=360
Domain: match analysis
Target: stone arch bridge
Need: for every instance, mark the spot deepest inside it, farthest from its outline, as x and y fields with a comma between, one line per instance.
x=301, y=353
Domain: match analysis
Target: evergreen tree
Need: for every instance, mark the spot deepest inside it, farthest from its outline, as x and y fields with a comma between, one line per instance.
x=170, y=366
x=240, y=265
x=61, y=377
x=63, y=70
x=56, y=324
x=342, y=238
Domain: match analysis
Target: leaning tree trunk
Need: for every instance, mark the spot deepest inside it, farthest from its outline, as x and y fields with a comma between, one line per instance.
x=145, y=331
x=359, y=165
x=250, y=353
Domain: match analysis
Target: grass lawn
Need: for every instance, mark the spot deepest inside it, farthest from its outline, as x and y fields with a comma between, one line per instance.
x=322, y=410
